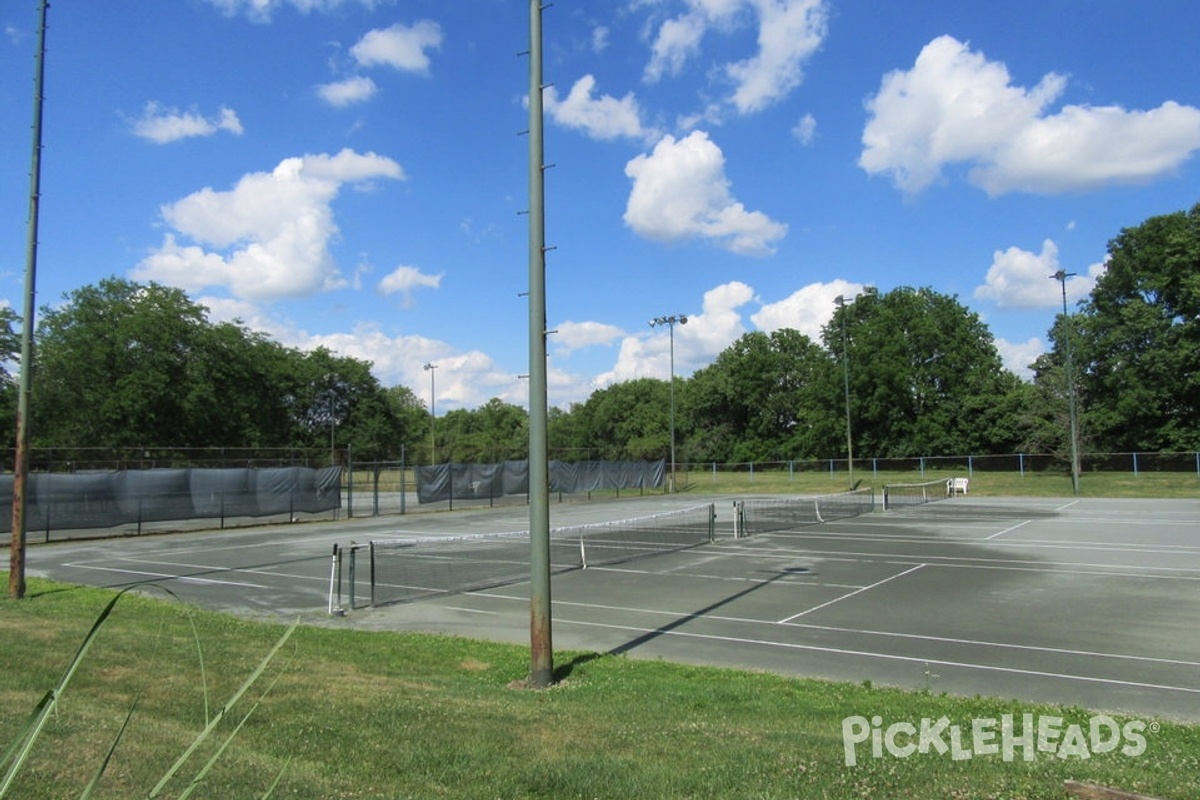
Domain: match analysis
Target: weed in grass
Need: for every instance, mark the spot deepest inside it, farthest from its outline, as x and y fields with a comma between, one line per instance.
x=385, y=715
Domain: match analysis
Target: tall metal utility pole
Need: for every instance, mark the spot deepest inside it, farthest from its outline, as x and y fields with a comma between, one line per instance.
x=430, y=367
x=541, y=649
x=1061, y=276
x=840, y=302
x=16, y=560
x=670, y=322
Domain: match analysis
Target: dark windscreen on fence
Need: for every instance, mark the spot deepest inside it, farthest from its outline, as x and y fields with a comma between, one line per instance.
x=83, y=500
x=439, y=482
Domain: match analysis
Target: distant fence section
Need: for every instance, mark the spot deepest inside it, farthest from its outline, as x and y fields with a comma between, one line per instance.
x=106, y=499
x=448, y=482
x=1135, y=463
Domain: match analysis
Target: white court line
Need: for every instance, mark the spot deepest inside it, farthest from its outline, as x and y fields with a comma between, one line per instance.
x=801, y=577
x=1040, y=544
x=886, y=656
x=1068, y=505
x=851, y=594
x=921, y=637
x=1007, y=530
x=209, y=548
x=977, y=562
x=1067, y=568
x=168, y=576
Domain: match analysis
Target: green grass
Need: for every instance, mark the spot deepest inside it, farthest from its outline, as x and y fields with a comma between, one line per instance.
x=387, y=715
x=985, y=484
x=777, y=479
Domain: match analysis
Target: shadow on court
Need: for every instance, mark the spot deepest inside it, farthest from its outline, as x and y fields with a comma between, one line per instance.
x=1086, y=602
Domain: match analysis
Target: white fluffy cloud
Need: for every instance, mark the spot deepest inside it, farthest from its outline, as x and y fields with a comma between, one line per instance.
x=806, y=310
x=269, y=236
x=1017, y=356
x=571, y=336
x=680, y=192
x=403, y=280
x=345, y=92
x=401, y=46
x=956, y=107
x=261, y=10
x=164, y=125
x=603, y=117
x=698, y=342
x=1020, y=279
x=805, y=130
x=789, y=33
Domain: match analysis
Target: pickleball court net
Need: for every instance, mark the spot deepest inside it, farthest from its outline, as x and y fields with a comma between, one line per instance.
x=405, y=570
x=765, y=514
x=900, y=495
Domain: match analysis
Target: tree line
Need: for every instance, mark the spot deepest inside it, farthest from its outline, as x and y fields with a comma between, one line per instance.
x=910, y=372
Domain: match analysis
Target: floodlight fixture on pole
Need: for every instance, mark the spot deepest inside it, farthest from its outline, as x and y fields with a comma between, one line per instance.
x=429, y=367
x=1061, y=276
x=670, y=321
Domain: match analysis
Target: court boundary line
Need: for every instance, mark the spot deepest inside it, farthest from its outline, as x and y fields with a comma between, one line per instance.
x=852, y=594
x=1009, y=529
x=832, y=629
x=887, y=656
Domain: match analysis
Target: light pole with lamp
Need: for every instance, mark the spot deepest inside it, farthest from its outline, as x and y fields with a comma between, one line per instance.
x=1061, y=276
x=670, y=323
x=841, y=302
x=430, y=367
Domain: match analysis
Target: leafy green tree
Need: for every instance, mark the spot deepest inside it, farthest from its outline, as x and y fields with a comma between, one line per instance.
x=925, y=376
x=629, y=420
x=10, y=358
x=766, y=397
x=335, y=401
x=113, y=367
x=411, y=419
x=123, y=364
x=496, y=431
x=504, y=429
x=565, y=434
x=1046, y=412
x=1138, y=348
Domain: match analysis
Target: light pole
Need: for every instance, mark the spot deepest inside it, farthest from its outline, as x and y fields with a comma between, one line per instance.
x=841, y=302
x=1061, y=276
x=430, y=367
x=670, y=323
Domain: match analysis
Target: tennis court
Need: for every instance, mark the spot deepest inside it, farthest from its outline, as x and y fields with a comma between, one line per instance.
x=1086, y=602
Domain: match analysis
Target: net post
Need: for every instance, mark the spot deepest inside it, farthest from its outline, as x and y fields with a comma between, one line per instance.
x=371, y=545
x=333, y=572
x=582, y=553
x=353, y=566
x=712, y=522
x=738, y=521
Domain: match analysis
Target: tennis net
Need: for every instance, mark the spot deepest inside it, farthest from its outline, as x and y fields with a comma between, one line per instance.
x=765, y=514
x=412, y=569
x=897, y=495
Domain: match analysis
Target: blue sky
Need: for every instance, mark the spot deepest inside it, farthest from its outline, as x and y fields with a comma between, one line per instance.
x=349, y=173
